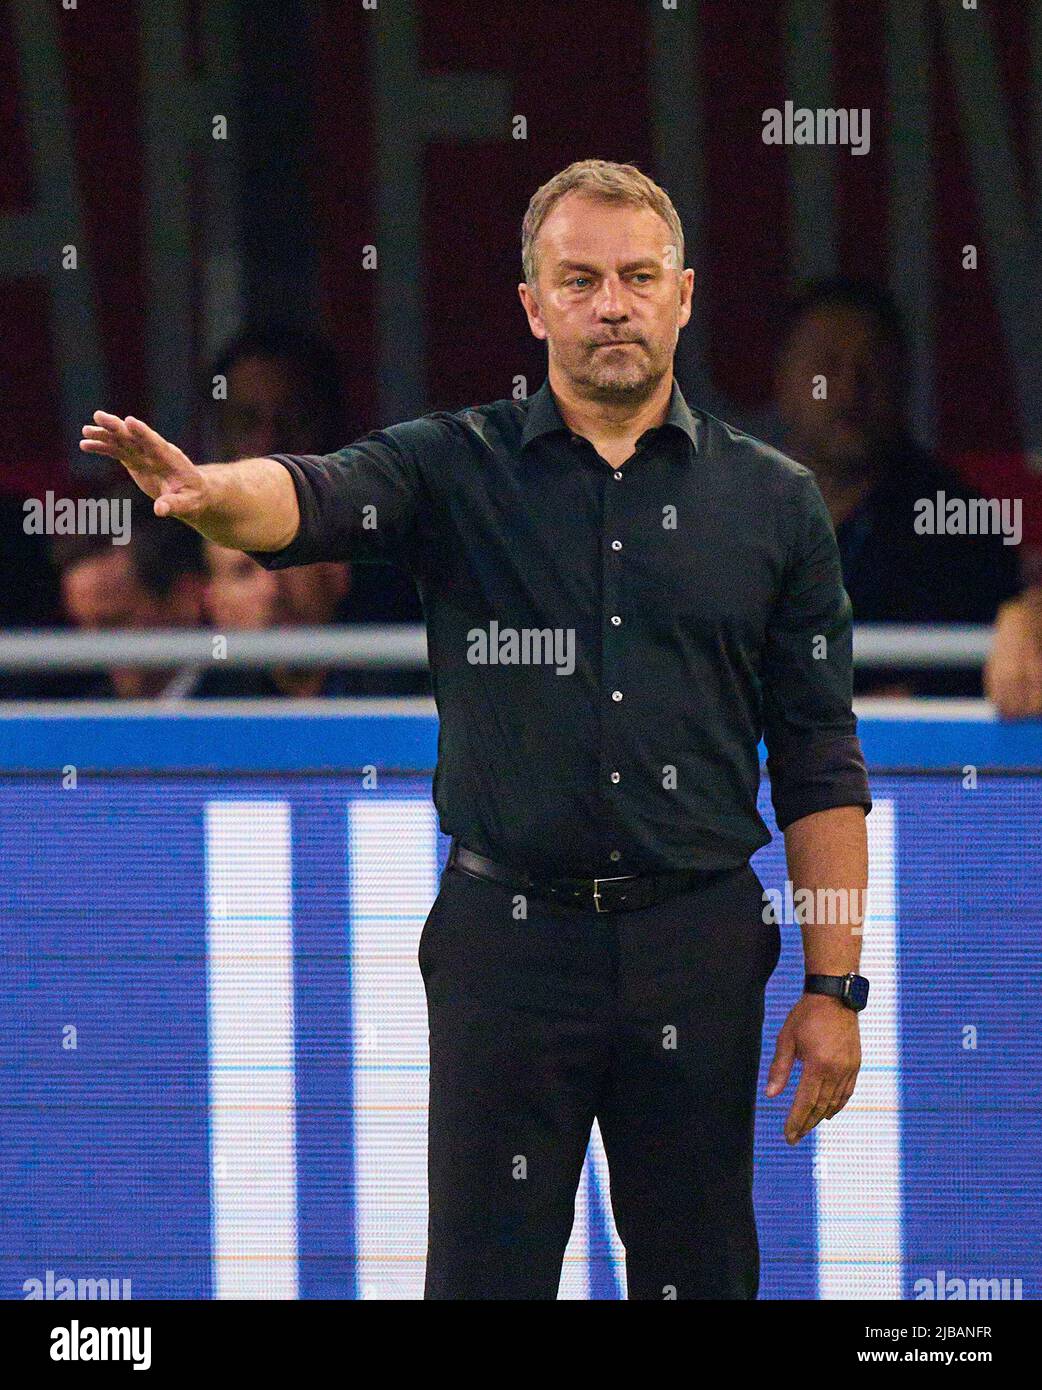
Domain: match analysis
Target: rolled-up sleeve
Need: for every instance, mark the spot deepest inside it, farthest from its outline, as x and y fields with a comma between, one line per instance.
x=366, y=502
x=814, y=758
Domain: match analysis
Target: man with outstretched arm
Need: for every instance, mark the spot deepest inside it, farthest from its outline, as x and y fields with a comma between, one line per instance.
x=622, y=594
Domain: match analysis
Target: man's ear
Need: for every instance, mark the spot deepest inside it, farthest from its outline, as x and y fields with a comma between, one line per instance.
x=687, y=288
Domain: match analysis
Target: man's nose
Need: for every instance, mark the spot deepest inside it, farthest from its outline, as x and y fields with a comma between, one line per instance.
x=611, y=299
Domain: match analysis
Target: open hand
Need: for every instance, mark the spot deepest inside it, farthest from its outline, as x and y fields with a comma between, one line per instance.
x=158, y=467
x=822, y=1033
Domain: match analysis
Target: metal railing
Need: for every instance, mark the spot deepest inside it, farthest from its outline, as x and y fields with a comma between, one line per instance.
x=400, y=646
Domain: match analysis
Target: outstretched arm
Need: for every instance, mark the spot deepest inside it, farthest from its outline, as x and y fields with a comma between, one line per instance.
x=248, y=505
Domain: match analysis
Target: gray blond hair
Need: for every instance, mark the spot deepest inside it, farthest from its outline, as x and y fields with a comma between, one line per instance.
x=597, y=178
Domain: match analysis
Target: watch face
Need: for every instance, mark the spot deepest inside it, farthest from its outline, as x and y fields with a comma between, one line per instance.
x=858, y=991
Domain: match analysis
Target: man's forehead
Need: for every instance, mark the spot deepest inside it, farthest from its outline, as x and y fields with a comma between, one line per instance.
x=579, y=226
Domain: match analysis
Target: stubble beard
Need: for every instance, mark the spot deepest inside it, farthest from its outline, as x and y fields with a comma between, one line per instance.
x=628, y=383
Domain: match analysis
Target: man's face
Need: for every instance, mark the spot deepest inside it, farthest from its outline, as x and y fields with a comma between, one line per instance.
x=103, y=593
x=607, y=297
x=309, y=594
x=241, y=594
x=861, y=414
x=267, y=411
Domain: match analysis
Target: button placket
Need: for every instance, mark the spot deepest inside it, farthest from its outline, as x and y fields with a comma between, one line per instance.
x=612, y=659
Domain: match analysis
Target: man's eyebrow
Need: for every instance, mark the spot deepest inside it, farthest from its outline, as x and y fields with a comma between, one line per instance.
x=642, y=263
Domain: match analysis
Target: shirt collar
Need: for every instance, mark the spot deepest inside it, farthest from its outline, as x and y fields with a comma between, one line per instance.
x=544, y=417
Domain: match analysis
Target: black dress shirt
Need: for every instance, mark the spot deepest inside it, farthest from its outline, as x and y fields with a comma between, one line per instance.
x=607, y=646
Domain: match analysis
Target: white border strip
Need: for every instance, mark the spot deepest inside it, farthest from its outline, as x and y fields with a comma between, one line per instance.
x=857, y=1158
x=251, y=1035
x=392, y=848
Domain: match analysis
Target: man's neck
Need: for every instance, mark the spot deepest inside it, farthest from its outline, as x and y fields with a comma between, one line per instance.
x=612, y=427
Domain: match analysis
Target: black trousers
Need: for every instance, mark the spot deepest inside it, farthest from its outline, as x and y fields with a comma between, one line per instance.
x=649, y=1021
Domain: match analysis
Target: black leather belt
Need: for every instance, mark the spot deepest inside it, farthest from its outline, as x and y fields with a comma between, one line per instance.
x=622, y=894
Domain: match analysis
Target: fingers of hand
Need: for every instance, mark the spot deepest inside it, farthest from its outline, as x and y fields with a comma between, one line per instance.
x=143, y=436
x=109, y=422
x=802, y=1106
x=107, y=436
x=781, y=1065
x=840, y=1099
x=819, y=1091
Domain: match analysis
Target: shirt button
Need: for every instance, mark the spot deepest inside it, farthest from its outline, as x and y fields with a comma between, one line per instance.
x=618, y=474
x=616, y=545
x=616, y=695
x=615, y=777
x=615, y=620
x=615, y=856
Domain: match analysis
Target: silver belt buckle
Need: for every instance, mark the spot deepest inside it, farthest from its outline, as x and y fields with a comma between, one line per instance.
x=597, y=892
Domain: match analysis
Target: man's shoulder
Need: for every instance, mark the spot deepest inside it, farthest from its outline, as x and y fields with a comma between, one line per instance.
x=736, y=448
x=495, y=425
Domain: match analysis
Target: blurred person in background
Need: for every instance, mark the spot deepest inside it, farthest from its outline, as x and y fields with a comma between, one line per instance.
x=30, y=597
x=871, y=473
x=283, y=393
x=1013, y=671
x=242, y=595
x=281, y=390
x=156, y=580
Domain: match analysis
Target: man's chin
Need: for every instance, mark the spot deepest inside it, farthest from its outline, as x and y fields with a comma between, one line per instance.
x=621, y=388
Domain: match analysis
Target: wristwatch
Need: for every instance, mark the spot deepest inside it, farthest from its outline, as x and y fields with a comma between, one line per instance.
x=851, y=989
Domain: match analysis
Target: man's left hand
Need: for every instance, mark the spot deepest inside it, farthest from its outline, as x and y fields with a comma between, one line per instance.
x=823, y=1034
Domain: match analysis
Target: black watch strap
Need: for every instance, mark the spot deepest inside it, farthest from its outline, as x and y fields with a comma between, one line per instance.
x=851, y=989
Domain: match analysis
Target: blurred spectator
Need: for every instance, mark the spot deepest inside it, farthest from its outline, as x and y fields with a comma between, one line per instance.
x=156, y=580
x=30, y=597
x=1013, y=673
x=283, y=395
x=243, y=595
x=848, y=334
x=240, y=594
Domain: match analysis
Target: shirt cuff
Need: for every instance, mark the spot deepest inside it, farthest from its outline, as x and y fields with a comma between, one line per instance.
x=818, y=776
